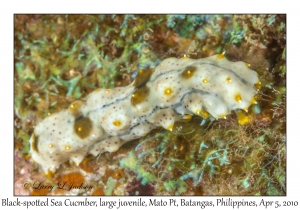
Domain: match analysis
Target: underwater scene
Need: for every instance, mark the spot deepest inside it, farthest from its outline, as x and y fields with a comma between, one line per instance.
x=134, y=105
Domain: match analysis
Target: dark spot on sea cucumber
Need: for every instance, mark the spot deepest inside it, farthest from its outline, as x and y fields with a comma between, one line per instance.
x=188, y=72
x=142, y=77
x=34, y=144
x=82, y=127
x=140, y=95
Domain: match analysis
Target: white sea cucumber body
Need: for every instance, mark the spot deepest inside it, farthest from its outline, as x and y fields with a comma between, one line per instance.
x=106, y=119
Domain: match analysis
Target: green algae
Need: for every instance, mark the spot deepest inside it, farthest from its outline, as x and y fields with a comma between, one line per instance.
x=132, y=163
x=110, y=186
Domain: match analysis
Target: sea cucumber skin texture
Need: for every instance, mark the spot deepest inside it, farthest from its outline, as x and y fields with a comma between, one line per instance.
x=106, y=119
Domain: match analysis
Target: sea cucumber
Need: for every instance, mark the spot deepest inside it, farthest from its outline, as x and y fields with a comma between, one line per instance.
x=176, y=89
